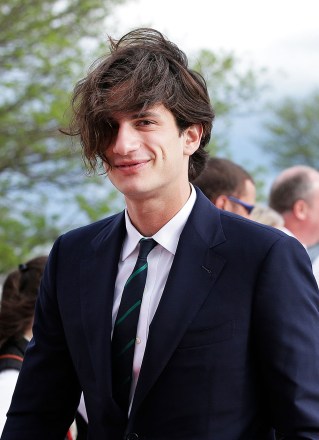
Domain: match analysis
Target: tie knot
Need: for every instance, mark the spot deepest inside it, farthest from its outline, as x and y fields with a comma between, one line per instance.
x=146, y=245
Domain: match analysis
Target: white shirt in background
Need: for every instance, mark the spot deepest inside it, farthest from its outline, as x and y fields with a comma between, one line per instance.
x=8, y=380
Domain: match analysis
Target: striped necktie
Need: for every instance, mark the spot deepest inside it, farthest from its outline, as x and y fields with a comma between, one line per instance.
x=125, y=327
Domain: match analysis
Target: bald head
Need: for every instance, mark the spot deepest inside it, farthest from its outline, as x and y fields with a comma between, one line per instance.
x=292, y=184
x=295, y=195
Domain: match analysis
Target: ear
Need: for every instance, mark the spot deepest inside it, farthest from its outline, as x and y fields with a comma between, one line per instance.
x=221, y=202
x=192, y=136
x=300, y=209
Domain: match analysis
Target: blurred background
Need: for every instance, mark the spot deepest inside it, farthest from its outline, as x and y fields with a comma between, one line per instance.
x=260, y=61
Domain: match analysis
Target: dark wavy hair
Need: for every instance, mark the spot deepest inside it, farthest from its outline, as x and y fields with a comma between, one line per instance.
x=19, y=294
x=222, y=176
x=143, y=69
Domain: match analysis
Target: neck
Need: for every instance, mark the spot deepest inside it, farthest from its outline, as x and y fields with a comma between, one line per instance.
x=149, y=216
x=299, y=230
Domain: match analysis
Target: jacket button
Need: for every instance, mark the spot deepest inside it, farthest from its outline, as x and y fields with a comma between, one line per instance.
x=132, y=436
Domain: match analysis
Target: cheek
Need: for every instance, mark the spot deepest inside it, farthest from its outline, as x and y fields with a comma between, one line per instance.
x=106, y=167
x=242, y=211
x=172, y=156
x=315, y=212
x=238, y=209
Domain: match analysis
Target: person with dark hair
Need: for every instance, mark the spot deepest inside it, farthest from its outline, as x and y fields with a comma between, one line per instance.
x=145, y=71
x=229, y=186
x=18, y=298
x=175, y=318
x=19, y=293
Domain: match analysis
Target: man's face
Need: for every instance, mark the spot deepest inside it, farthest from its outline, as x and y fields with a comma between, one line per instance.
x=148, y=156
x=248, y=197
x=312, y=221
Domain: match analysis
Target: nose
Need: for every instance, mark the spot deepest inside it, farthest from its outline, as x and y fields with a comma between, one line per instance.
x=126, y=139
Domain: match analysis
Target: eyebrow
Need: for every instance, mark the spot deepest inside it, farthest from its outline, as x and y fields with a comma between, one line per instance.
x=139, y=115
x=145, y=114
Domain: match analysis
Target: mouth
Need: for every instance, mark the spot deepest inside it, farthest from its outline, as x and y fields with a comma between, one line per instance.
x=131, y=165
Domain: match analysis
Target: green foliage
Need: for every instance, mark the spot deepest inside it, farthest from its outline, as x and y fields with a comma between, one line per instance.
x=99, y=206
x=233, y=89
x=24, y=235
x=44, y=51
x=44, y=46
x=293, y=132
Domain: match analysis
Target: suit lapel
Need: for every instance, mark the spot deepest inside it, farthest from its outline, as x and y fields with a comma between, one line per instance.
x=98, y=275
x=195, y=268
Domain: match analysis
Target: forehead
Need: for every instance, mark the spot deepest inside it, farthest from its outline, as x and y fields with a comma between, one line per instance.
x=129, y=96
x=158, y=111
x=249, y=186
x=249, y=191
x=313, y=185
x=315, y=182
x=314, y=191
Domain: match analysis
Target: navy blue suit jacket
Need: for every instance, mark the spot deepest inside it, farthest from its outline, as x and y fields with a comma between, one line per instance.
x=233, y=349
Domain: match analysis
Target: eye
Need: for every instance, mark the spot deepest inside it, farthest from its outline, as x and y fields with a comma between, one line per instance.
x=144, y=123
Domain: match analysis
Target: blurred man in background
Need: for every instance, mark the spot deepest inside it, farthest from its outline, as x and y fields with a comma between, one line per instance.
x=295, y=195
x=228, y=186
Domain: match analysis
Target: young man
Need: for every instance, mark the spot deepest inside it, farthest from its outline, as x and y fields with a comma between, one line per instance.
x=228, y=186
x=226, y=343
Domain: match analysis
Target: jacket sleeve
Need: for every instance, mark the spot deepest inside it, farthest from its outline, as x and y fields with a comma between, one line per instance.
x=47, y=392
x=286, y=340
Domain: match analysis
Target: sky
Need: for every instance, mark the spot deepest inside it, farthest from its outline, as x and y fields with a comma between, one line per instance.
x=280, y=36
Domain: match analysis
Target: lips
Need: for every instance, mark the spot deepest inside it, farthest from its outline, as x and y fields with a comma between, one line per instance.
x=131, y=164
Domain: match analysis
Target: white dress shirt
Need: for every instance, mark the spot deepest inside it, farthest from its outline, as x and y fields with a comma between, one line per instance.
x=159, y=261
x=8, y=380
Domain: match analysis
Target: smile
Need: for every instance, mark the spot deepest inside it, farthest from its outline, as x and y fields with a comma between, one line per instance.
x=131, y=165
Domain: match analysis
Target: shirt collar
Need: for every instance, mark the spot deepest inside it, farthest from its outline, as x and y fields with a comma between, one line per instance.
x=167, y=236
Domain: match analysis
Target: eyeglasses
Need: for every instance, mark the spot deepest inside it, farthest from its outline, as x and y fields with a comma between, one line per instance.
x=245, y=205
